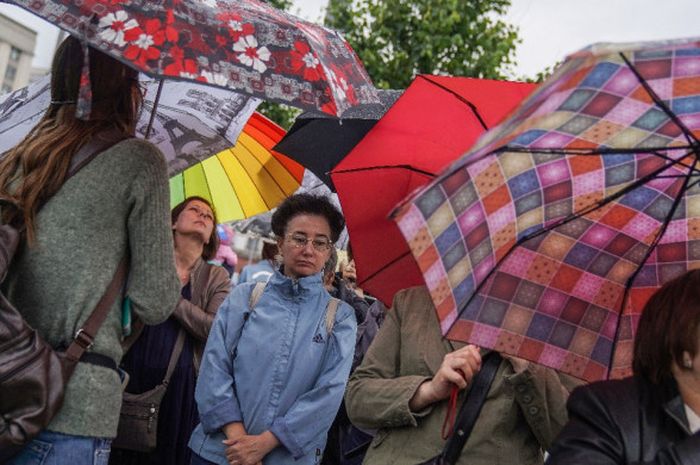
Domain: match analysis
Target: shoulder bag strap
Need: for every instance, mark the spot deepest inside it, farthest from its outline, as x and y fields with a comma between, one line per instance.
x=85, y=336
x=175, y=355
x=331, y=310
x=471, y=408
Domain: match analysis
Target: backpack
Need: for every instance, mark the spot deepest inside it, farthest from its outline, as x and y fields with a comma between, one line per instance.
x=33, y=376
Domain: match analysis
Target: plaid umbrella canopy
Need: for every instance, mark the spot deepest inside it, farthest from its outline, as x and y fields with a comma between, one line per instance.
x=546, y=240
x=246, y=46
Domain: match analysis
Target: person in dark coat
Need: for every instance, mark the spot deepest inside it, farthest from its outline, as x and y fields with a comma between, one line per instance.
x=652, y=417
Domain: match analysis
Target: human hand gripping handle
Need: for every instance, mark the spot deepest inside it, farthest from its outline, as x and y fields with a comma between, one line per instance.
x=456, y=371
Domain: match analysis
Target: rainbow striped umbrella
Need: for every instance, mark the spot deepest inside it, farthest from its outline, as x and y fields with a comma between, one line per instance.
x=244, y=180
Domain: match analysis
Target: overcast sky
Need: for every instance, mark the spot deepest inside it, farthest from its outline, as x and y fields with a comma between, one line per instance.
x=550, y=29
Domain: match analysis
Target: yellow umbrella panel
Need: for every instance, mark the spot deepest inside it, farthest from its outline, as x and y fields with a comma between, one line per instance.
x=244, y=180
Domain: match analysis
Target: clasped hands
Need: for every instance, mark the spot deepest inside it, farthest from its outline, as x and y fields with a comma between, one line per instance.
x=457, y=369
x=247, y=449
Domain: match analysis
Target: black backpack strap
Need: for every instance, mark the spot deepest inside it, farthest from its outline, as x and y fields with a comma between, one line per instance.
x=481, y=383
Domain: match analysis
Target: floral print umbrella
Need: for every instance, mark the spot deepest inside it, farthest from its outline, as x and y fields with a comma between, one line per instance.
x=546, y=239
x=246, y=46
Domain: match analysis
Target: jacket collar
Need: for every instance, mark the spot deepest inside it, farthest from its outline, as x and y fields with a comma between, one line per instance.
x=290, y=287
x=196, y=273
x=673, y=403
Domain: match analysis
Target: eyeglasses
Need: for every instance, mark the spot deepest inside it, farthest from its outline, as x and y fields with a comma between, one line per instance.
x=199, y=212
x=320, y=244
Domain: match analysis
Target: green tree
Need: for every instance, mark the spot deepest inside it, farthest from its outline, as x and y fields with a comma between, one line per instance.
x=280, y=4
x=398, y=39
x=280, y=113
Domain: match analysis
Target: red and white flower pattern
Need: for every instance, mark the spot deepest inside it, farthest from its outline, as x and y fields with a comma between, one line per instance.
x=144, y=44
x=215, y=78
x=113, y=26
x=305, y=61
x=245, y=46
x=250, y=54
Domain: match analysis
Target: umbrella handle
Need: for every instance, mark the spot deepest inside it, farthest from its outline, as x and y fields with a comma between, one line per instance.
x=153, y=111
x=448, y=426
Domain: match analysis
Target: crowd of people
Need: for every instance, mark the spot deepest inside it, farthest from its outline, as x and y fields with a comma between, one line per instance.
x=294, y=364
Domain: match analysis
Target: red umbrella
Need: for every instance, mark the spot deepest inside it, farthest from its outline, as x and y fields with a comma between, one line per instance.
x=434, y=122
x=246, y=46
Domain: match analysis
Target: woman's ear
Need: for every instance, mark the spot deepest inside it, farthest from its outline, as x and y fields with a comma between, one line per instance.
x=687, y=360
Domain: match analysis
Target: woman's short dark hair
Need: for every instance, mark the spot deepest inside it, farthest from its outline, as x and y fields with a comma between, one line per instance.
x=668, y=327
x=299, y=204
x=212, y=246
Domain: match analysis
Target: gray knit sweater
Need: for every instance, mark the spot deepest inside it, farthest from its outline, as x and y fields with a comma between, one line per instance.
x=119, y=200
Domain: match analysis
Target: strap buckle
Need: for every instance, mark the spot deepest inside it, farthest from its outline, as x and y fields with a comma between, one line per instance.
x=83, y=339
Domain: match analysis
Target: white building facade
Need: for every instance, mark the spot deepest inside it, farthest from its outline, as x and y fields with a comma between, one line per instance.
x=17, y=44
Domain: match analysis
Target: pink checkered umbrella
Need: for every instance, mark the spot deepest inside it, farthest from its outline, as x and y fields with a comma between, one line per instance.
x=546, y=240
x=246, y=46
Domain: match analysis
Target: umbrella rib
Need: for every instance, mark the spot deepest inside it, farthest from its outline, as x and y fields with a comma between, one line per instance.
x=599, y=151
x=656, y=152
x=657, y=239
x=155, y=109
x=372, y=168
x=692, y=140
x=460, y=98
x=561, y=222
x=28, y=118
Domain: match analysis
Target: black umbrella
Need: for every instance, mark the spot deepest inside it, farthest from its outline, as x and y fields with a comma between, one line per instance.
x=319, y=141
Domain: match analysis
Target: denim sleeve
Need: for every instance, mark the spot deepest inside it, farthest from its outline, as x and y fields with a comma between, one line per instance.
x=215, y=392
x=309, y=418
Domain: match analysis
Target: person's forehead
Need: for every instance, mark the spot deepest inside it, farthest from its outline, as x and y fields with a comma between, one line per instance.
x=316, y=225
x=199, y=204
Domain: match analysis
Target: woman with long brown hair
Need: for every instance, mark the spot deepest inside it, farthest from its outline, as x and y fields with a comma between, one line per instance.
x=78, y=228
x=204, y=288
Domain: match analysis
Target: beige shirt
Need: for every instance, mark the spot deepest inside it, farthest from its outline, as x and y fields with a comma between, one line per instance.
x=693, y=420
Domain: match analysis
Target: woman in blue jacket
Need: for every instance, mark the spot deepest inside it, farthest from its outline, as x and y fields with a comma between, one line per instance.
x=275, y=366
